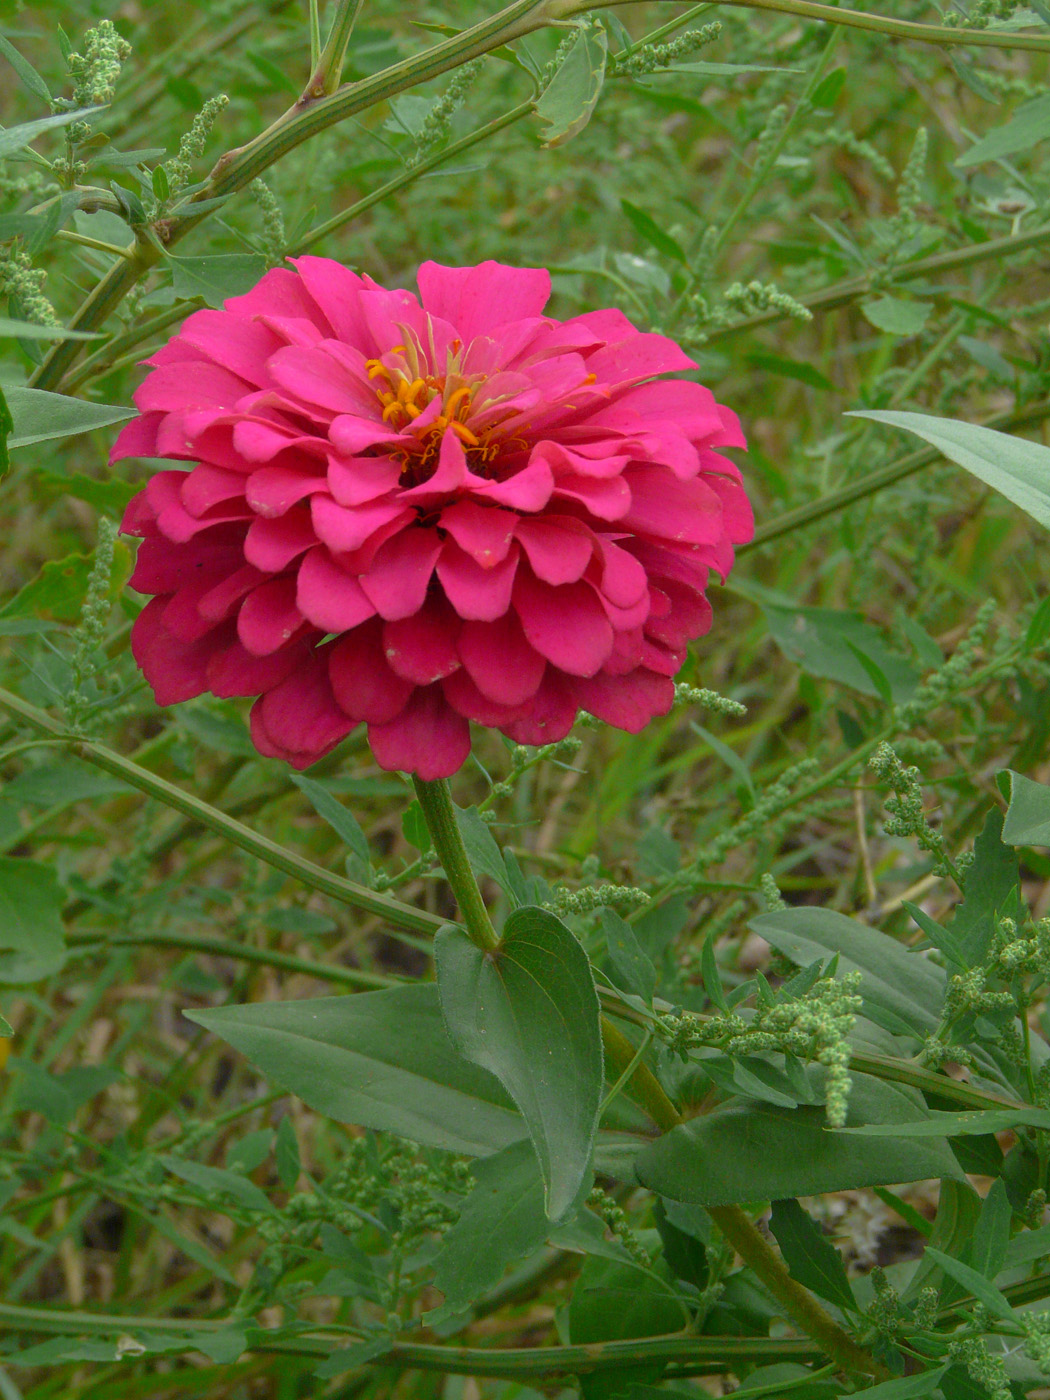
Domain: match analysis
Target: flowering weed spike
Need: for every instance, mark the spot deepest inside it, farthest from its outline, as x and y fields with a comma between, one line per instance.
x=414, y=513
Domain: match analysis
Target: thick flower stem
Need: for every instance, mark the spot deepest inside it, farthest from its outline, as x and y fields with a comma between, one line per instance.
x=329, y=71
x=738, y=1228
x=436, y=802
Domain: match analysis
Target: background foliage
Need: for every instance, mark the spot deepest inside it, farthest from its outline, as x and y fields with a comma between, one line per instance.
x=830, y=220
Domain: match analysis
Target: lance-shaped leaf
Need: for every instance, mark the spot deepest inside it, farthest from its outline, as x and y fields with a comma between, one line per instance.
x=1016, y=468
x=571, y=95
x=529, y=1014
x=378, y=1059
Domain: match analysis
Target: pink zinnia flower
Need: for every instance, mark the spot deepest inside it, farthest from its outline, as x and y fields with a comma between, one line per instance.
x=414, y=513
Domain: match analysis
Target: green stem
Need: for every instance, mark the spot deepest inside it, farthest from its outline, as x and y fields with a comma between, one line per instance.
x=938, y=34
x=889, y=475
x=329, y=71
x=740, y=1230
x=715, y=1354
x=242, y=952
x=440, y=815
x=335, y=886
x=842, y=293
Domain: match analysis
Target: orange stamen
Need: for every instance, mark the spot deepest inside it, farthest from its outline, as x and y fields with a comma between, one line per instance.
x=463, y=433
x=455, y=399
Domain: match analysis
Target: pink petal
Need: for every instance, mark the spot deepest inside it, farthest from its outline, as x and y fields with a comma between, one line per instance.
x=678, y=510
x=606, y=499
x=551, y=713
x=175, y=670
x=624, y=580
x=191, y=383
x=271, y=545
x=273, y=490
x=356, y=480
x=427, y=738
x=558, y=547
x=269, y=618
x=565, y=624
x=422, y=648
x=345, y=528
x=299, y=719
x=232, y=671
x=219, y=600
x=280, y=293
x=318, y=380
x=329, y=597
x=476, y=592
x=626, y=702
x=483, y=532
x=137, y=438
x=474, y=299
x=528, y=489
x=207, y=487
x=400, y=574
x=336, y=290
x=467, y=700
x=161, y=567
x=500, y=661
x=688, y=617
x=231, y=341
x=352, y=433
x=362, y=681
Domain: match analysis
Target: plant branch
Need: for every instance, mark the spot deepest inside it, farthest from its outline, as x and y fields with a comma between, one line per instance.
x=329, y=71
x=850, y=288
x=739, y=1229
x=335, y=886
x=938, y=34
x=889, y=475
x=435, y=799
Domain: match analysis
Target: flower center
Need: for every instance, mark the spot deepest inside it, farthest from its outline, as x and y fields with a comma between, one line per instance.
x=406, y=395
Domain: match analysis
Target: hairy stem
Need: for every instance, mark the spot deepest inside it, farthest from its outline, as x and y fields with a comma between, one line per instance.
x=435, y=799
x=740, y=1230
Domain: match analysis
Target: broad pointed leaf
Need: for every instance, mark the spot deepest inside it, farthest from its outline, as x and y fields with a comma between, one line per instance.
x=528, y=1013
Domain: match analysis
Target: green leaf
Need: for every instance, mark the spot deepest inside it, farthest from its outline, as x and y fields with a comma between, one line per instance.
x=7, y=425
x=1028, y=816
x=905, y=1387
x=940, y=937
x=528, y=1013
x=991, y=890
x=378, y=1059
x=501, y=1221
x=828, y=642
x=16, y=138
x=1028, y=1246
x=40, y=416
x=790, y=369
x=482, y=849
x=902, y=991
x=25, y=70
x=686, y=1255
x=613, y=1301
x=973, y=1282
x=896, y=316
x=943, y=1124
x=987, y=1253
x=651, y=231
x=339, y=818
x=32, y=938
x=631, y=963
x=1029, y=125
x=223, y=1347
x=286, y=1151
x=566, y=104
x=749, y=1152
x=216, y=276
x=1016, y=468
x=59, y=588
x=217, y=1179
x=29, y=330
x=811, y=1257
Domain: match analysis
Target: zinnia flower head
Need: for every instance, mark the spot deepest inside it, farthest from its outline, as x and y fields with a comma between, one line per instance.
x=415, y=513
